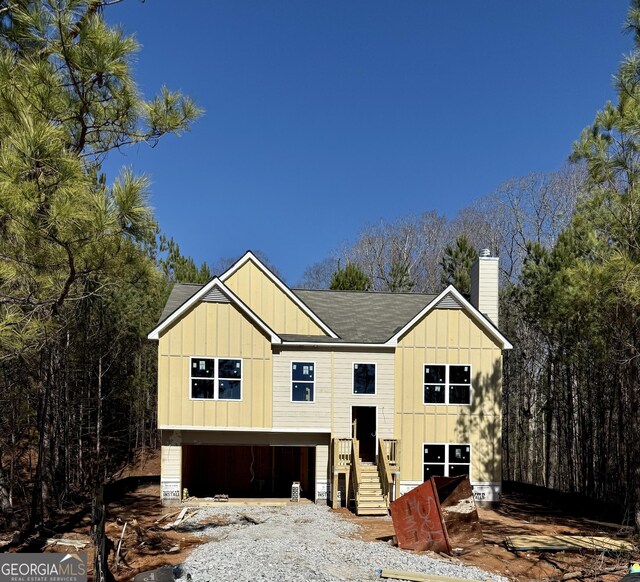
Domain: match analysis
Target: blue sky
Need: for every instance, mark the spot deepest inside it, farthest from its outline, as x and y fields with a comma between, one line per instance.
x=322, y=117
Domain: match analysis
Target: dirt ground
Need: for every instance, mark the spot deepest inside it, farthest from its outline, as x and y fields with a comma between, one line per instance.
x=146, y=545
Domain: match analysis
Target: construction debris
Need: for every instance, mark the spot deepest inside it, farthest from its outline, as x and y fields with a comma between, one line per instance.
x=559, y=543
x=124, y=527
x=437, y=514
x=221, y=497
x=250, y=519
x=419, y=576
x=163, y=574
x=77, y=544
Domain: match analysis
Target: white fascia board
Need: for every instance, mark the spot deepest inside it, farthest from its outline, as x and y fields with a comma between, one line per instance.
x=385, y=346
x=481, y=319
x=249, y=256
x=245, y=429
x=215, y=282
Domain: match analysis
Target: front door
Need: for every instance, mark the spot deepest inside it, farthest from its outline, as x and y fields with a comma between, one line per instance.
x=364, y=429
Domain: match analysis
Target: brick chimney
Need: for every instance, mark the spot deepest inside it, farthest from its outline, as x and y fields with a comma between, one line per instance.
x=484, y=285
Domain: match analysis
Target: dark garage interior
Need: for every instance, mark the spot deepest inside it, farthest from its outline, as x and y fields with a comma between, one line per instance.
x=248, y=471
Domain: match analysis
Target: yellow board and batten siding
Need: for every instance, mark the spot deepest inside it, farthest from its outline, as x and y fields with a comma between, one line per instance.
x=215, y=330
x=269, y=302
x=449, y=336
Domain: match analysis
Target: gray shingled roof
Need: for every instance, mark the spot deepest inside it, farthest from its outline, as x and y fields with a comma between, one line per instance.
x=364, y=317
x=360, y=317
x=180, y=293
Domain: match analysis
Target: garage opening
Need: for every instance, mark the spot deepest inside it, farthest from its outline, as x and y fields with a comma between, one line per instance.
x=248, y=471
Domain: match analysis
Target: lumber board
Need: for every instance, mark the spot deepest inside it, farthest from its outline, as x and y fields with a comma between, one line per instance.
x=567, y=543
x=420, y=576
x=79, y=544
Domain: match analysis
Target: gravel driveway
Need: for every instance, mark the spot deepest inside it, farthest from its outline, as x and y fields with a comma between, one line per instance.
x=298, y=544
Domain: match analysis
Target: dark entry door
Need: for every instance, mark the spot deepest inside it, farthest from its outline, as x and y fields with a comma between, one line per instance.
x=364, y=423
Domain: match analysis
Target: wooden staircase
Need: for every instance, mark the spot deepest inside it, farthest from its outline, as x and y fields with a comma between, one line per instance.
x=369, y=498
x=369, y=487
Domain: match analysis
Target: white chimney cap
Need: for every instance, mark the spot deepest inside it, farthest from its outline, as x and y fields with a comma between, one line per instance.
x=485, y=253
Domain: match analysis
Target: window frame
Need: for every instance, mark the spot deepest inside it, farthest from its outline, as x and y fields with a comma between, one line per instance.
x=215, y=378
x=313, y=382
x=353, y=379
x=447, y=386
x=447, y=461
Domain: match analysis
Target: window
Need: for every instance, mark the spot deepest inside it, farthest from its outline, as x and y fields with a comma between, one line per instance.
x=216, y=379
x=364, y=378
x=302, y=381
x=447, y=384
x=445, y=460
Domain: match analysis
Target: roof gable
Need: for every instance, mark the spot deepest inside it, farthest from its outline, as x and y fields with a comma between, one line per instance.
x=214, y=290
x=249, y=275
x=449, y=295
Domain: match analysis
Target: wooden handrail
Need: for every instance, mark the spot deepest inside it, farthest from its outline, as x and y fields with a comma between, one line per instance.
x=384, y=470
x=391, y=449
x=356, y=472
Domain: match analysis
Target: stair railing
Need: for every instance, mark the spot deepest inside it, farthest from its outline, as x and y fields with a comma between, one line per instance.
x=356, y=471
x=384, y=471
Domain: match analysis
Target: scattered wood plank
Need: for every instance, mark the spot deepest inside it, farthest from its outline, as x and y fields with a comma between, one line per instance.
x=187, y=517
x=179, y=518
x=124, y=527
x=596, y=575
x=419, y=576
x=560, y=543
x=78, y=544
x=165, y=516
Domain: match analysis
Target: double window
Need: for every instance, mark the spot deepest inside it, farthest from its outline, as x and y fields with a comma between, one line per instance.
x=216, y=379
x=303, y=382
x=447, y=384
x=364, y=378
x=444, y=460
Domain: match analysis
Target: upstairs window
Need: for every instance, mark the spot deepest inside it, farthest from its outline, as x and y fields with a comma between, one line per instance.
x=445, y=460
x=216, y=379
x=447, y=384
x=364, y=378
x=302, y=381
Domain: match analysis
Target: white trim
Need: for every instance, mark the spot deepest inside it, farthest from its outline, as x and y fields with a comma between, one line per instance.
x=447, y=462
x=209, y=428
x=353, y=379
x=249, y=256
x=447, y=385
x=336, y=345
x=313, y=382
x=215, y=282
x=481, y=319
x=215, y=379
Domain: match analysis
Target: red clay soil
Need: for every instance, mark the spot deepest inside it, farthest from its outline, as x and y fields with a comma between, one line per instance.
x=517, y=514
x=520, y=514
x=146, y=546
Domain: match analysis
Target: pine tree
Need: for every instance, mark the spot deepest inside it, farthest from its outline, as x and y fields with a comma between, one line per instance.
x=456, y=264
x=68, y=241
x=351, y=278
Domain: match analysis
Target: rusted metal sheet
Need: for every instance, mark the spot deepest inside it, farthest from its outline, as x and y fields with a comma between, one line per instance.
x=418, y=522
x=437, y=515
x=459, y=511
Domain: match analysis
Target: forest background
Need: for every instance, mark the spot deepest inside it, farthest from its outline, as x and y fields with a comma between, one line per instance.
x=85, y=272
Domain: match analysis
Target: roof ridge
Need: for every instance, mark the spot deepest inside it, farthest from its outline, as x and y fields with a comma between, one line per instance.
x=358, y=292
